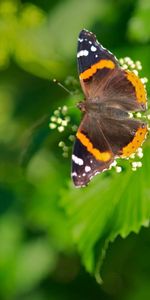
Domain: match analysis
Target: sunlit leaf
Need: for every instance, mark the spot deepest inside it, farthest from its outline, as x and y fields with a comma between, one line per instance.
x=110, y=206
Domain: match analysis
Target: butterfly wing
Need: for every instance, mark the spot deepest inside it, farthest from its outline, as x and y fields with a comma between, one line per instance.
x=124, y=136
x=93, y=59
x=124, y=90
x=102, y=78
x=91, y=155
x=100, y=140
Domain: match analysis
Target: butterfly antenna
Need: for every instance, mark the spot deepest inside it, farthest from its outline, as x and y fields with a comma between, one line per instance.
x=62, y=86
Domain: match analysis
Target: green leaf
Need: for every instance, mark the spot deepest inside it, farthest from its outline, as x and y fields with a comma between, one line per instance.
x=110, y=206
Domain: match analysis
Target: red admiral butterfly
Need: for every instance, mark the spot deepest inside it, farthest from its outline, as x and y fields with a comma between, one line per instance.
x=106, y=131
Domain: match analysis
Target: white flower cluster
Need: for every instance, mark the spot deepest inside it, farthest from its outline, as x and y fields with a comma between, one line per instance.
x=64, y=147
x=118, y=169
x=128, y=64
x=139, y=152
x=136, y=164
x=59, y=119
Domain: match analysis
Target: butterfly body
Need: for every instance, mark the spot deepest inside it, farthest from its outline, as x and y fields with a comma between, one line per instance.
x=96, y=109
x=106, y=131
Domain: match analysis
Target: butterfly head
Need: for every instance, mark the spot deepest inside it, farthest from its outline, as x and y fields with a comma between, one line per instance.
x=82, y=106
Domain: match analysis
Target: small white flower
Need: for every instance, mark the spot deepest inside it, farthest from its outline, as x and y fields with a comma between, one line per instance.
x=125, y=66
x=134, y=169
x=134, y=164
x=135, y=72
x=144, y=80
x=121, y=60
x=138, y=65
x=56, y=113
x=132, y=155
x=74, y=128
x=139, y=150
x=65, y=148
x=114, y=163
x=140, y=154
x=139, y=164
x=71, y=138
x=64, y=109
x=61, y=144
x=132, y=65
x=139, y=115
x=60, y=128
x=64, y=123
x=118, y=169
x=53, y=119
x=130, y=115
x=52, y=126
x=65, y=154
x=59, y=120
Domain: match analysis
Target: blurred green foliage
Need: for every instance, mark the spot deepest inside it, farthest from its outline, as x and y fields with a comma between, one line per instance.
x=48, y=229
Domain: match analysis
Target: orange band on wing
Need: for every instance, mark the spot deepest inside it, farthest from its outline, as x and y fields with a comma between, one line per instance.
x=138, y=85
x=103, y=63
x=136, y=142
x=103, y=156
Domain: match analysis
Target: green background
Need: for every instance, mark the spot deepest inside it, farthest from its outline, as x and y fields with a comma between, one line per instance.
x=53, y=237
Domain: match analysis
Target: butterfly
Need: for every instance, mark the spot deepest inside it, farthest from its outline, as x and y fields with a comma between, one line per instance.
x=106, y=130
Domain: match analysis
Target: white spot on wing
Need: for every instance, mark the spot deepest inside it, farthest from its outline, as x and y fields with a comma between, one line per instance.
x=87, y=168
x=80, y=40
x=77, y=160
x=93, y=48
x=82, y=53
x=74, y=174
